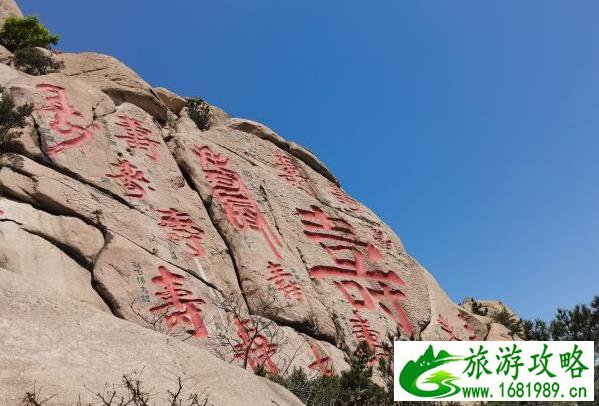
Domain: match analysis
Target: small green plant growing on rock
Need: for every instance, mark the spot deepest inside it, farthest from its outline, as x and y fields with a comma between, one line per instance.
x=34, y=61
x=199, y=111
x=11, y=117
x=26, y=32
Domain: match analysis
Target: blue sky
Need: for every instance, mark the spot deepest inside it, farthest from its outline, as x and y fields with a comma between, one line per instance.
x=470, y=127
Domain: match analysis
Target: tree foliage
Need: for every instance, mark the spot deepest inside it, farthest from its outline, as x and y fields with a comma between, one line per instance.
x=535, y=330
x=35, y=62
x=26, y=32
x=511, y=322
x=11, y=117
x=353, y=387
x=579, y=323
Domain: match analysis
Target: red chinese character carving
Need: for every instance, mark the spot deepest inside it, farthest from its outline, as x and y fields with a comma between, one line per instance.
x=381, y=238
x=351, y=262
x=182, y=227
x=364, y=298
x=61, y=124
x=467, y=328
x=185, y=308
x=319, y=226
x=323, y=364
x=138, y=137
x=130, y=178
x=448, y=328
x=363, y=332
x=351, y=258
x=292, y=174
x=255, y=347
x=344, y=199
x=283, y=281
x=234, y=197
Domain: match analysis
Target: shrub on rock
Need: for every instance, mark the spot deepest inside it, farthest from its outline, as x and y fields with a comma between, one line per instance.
x=199, y=111
x=11, y=117
x=35, y=61
x=507, y=319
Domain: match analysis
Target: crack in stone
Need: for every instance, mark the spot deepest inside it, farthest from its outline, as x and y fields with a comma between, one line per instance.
x=104, y=294
x=68, y=252
x=65, y=248
x=208, y=206
x=63, y=210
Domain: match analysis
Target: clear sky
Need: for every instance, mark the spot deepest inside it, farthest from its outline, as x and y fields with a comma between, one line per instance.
x=470, y=127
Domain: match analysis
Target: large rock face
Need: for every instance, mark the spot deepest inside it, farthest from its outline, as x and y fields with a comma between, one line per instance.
x=57, y=346
x=124, y=227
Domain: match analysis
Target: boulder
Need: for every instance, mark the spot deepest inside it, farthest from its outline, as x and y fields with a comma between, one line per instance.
x=171, y=100
x=262, y=131
x=71, y=351
x=487, y=310
x=450, y=322
x=163, y=298
x=217, y=117
x=499, y=332
x=41, y=260
x=113, y=78
x=71, y=234
x=7, y=74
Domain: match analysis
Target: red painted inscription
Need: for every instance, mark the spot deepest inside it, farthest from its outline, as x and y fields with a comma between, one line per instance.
x=179, y=226
x=58, y=104
x=233, y=195
x=183, y=308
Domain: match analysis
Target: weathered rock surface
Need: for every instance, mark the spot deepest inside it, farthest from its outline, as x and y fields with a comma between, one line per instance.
x=450, y=321
x=5, y=55
x=9, y=8
x=217, y=116
x=171, y=100
x=487, y=308
x=83, y=240
x=70, y=350
x=157, y=244
x=341, y=271
x=262, y=131
x=34, y=244
x=115, y=79
x=499, y=332
x=7, y=74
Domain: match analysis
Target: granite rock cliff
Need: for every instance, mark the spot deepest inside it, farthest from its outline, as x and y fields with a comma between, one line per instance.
x=131, y=240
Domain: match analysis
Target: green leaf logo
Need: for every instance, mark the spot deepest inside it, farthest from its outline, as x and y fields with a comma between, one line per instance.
x=442, y=379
